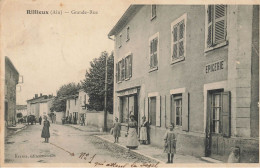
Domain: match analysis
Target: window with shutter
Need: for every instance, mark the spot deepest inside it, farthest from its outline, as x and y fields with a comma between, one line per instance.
x=127, y=33
x=178, y=28
x=130, y=65
x=216, y=25
x=126, y=67
x=154, y=46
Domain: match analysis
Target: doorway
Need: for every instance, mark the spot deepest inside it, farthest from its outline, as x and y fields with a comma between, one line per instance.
x=218, y=123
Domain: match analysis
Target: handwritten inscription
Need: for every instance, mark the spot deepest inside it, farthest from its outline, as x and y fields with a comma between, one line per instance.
x=61, y=12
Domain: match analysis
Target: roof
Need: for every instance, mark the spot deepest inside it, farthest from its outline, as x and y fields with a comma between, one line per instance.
x=129, y=13
x=8, y=61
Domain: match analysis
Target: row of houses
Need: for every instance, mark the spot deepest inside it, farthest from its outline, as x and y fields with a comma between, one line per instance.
x=195, y=66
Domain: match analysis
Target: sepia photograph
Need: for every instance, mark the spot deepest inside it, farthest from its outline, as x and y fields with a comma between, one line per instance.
x=128, y=83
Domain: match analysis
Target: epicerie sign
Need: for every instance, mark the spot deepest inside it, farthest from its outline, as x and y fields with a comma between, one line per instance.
x=215, y=66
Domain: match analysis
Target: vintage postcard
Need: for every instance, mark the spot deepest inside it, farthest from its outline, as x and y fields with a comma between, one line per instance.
x=129, y=83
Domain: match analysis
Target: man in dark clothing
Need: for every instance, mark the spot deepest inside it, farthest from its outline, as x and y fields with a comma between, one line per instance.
x=40, y=120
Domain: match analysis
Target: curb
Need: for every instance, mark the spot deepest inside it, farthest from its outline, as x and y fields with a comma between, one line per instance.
x=139, y=153
x=210, y=160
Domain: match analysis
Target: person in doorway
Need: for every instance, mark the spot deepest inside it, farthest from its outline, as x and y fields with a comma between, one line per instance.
x=83, y=120
x=143, y=131
x=70, y=119
x=170, y=143
x=116, y=130
x=40, y=120
x=75, y=119
x=132, y=140
x=46, y=130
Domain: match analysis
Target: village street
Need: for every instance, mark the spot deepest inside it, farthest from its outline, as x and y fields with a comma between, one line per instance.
x=66, y=146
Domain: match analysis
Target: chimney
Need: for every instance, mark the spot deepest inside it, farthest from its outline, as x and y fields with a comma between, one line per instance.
x=36, y=95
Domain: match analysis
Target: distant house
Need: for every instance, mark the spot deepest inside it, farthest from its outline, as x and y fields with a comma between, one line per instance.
x=21, y=109
x=76, y=105
x=39, y=105
x=11, y=80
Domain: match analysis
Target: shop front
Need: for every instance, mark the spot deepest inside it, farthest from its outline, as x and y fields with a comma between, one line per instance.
x=128, y=104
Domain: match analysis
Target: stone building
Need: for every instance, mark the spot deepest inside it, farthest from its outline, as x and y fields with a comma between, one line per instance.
x=195, y=66
x=11, y=80
x=39, y=105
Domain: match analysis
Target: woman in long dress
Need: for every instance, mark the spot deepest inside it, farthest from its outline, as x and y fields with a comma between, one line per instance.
x=116, y=130
x=45, y=130
x=170, y=143
x=143, y=131
x=132, y=140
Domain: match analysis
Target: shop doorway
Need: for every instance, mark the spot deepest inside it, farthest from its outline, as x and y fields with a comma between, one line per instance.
x=128, y=105
x=75, y=117
x=218, y=123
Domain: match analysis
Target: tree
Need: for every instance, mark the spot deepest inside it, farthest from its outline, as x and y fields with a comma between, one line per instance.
x=94, y=83
x=64, y=92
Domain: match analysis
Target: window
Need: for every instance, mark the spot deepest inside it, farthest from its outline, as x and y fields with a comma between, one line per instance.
x=120, y=41
x=176, y=104
x=124, y=68
x=154, y=46
x=216, y=25
x=127, y=33
x=128, y=66
x=153, y=11
x=178, y=28
x=220, y=113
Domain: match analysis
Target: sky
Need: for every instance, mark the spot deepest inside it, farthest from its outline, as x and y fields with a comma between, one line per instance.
x=52, y=50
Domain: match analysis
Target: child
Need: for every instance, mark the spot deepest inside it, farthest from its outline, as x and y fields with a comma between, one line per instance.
x=170, y=143
x=116, y=130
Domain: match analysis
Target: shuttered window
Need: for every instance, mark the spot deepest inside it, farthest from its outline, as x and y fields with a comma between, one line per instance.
x=178, y=40
x=153, y=53
x=128, y=66
x=178, y=28
x=127, y=33
x=216, y=24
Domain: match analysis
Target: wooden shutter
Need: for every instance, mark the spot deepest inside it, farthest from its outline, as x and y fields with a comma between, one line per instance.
x=158, y=111
x=130, y=65
x=116, y=72
x=226, y=114
x=155, y=51
x=219, y=23
x=181, y=26
x=210, y=24
x=185, y=111
x=175, y=42
x=123, y=69
x=151, y=53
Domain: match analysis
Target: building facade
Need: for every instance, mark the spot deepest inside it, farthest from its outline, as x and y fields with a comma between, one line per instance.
x=11, y=80
x=195, y=66
x=21, y=109
x=76, y=106
x=39, y=105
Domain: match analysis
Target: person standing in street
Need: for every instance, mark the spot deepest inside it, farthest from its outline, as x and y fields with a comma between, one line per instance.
x=70, y=119
x=143, y=131
x=40, y=120
x=132, y=140
x=116, y=130
x=170, y=143
x=46, y=130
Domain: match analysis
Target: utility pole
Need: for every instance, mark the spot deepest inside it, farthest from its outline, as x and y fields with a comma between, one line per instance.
x=105, y=105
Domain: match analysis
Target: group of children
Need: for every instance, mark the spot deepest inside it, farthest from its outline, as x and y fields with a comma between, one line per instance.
x=132, y=141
